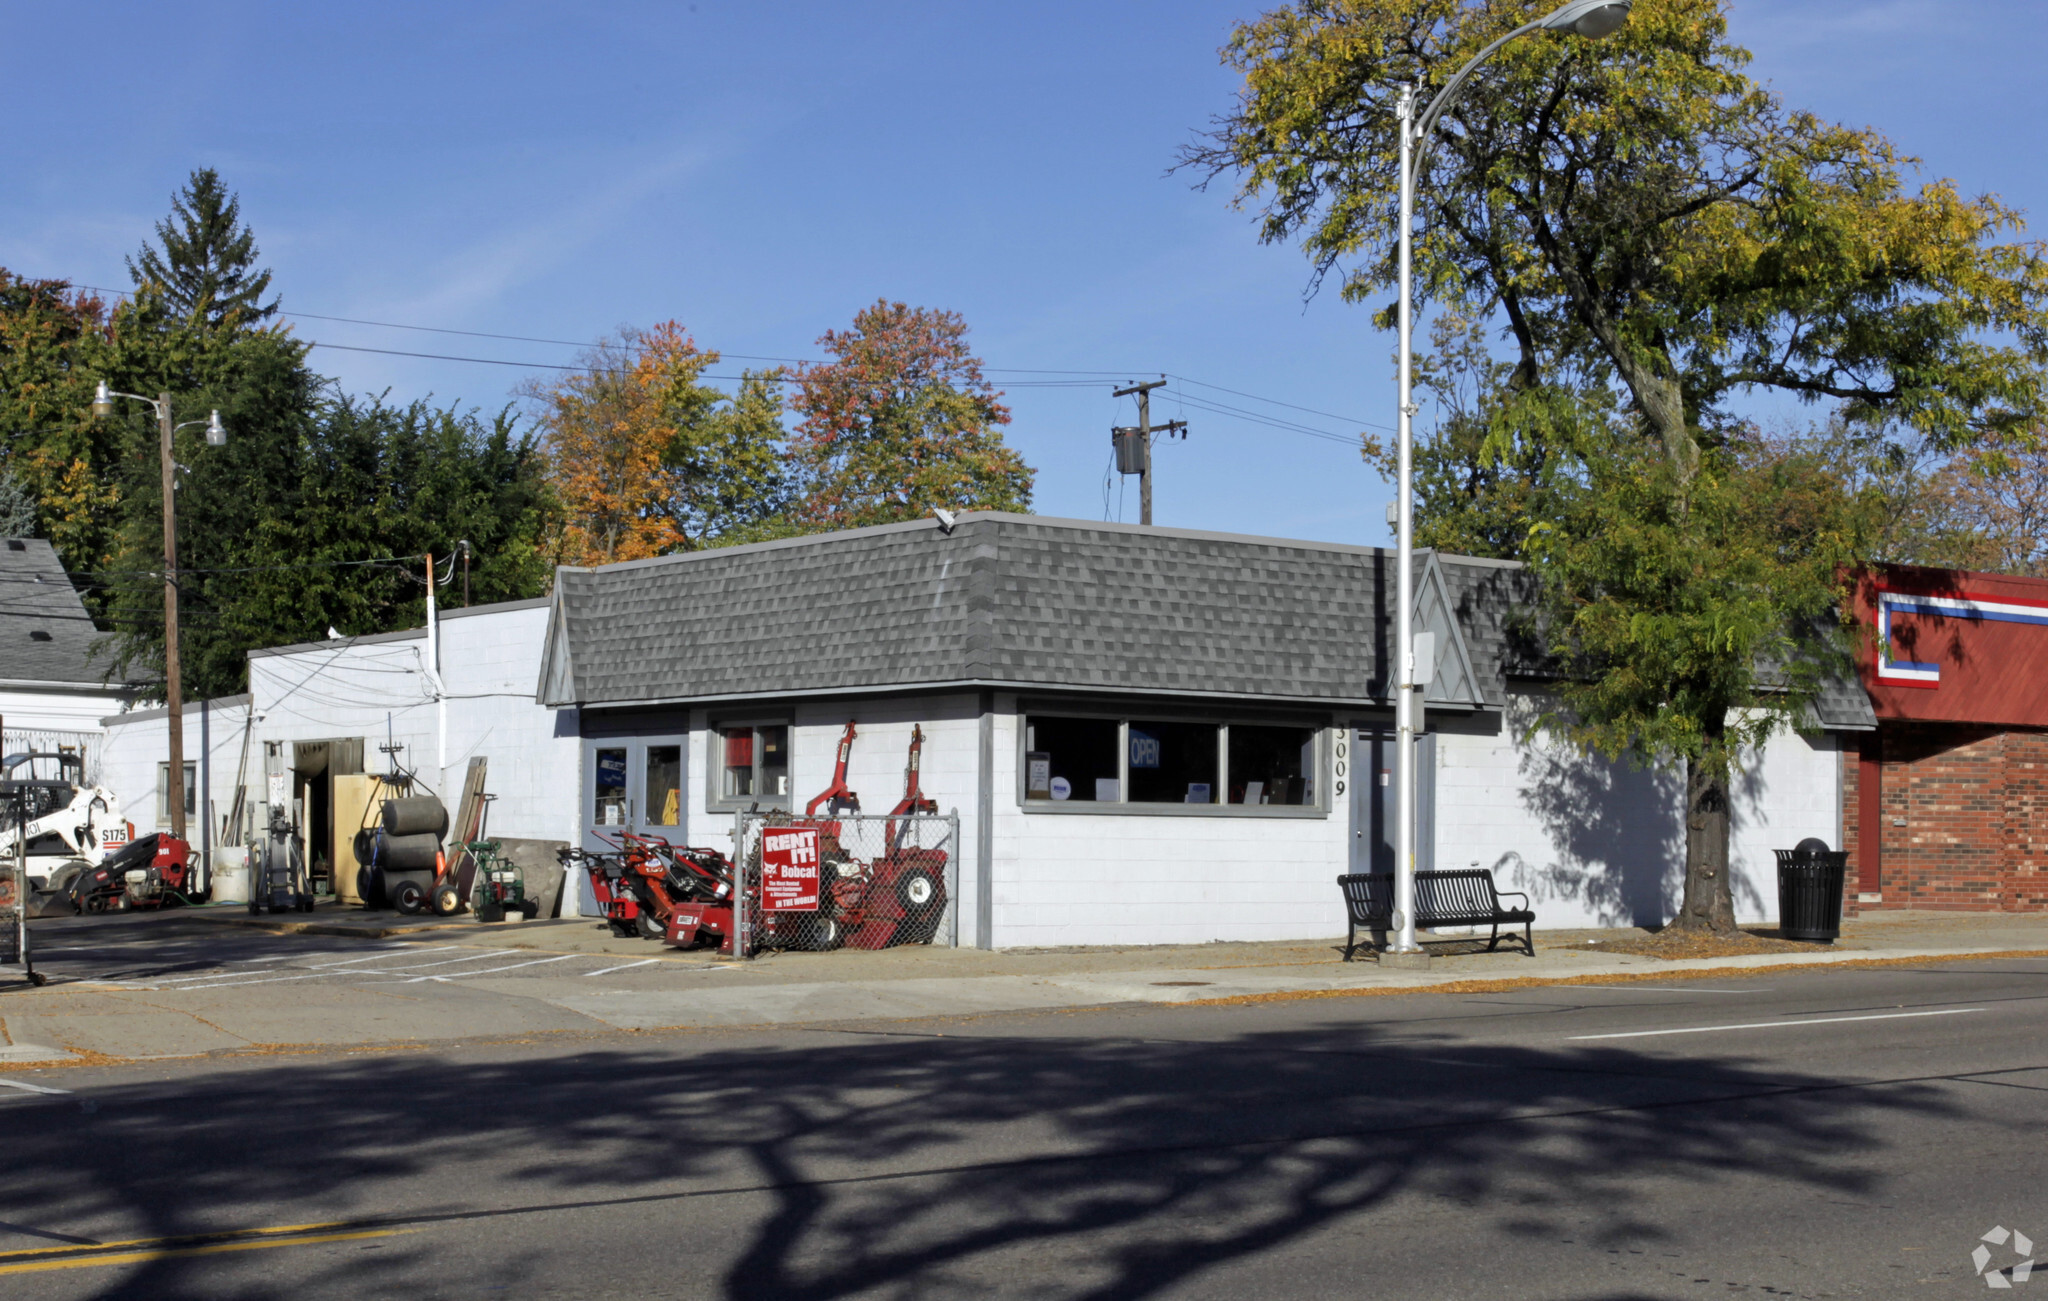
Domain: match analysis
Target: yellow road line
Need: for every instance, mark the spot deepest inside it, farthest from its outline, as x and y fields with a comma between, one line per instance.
x=48, y=1258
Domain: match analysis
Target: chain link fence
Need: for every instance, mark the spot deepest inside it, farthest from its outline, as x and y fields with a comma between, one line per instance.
x=854, y=881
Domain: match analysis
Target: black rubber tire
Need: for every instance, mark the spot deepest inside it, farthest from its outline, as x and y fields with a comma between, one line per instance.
x=824, y=935
x=409, y=898
x=650, y=926
x=306, y=904
x=447, y=899
x=370, y=888
x=918, y=890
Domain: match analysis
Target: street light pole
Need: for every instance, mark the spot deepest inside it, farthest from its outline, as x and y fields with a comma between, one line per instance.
x=1404, y=559
x=174, y=687
x=174, y=684
x=1594, y=18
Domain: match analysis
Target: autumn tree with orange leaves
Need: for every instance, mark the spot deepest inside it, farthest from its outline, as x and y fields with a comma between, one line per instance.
x=648, y=460
x=898, y=422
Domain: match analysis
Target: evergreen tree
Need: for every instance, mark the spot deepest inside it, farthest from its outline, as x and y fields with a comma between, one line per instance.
x=206, y=270
x=17, y=508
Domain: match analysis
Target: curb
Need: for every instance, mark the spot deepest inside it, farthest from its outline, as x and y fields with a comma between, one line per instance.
x=1425, y=985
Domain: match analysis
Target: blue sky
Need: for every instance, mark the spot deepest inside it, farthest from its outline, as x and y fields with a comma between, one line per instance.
x=761, y=171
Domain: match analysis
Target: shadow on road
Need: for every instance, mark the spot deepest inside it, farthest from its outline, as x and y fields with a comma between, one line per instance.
x=898, y=1164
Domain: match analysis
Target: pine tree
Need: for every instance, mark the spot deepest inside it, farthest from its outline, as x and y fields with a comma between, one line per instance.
x=206, y=270
x=17, y=508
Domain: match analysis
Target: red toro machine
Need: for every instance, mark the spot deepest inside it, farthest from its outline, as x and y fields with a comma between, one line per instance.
x=895, y=898
x=660, y=891
x=684, y=896
x=150, y=872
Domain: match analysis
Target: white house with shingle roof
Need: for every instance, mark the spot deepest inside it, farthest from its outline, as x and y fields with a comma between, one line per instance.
x=54, y=679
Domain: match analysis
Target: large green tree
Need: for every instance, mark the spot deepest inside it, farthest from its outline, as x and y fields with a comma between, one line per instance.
x=899, y=421
x=204, y=262
x=318, y=512
x=53, y=339
x=1643, y=219
x=648, y=459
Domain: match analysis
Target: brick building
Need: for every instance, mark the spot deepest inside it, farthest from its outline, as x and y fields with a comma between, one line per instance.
x=1950, y=790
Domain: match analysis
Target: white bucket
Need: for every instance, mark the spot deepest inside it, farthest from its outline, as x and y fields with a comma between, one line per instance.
x=231, y=874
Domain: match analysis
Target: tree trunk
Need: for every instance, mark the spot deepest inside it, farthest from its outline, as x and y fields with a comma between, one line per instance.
x=1709, y=903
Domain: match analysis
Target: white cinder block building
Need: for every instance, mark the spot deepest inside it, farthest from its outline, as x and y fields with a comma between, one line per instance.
x=1150, y=735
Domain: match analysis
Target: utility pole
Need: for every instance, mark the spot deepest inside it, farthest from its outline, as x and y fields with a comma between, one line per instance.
x=1134, y=443
x=174, y=686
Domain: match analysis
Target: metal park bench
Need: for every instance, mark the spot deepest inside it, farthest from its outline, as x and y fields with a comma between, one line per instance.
x=1462, y=898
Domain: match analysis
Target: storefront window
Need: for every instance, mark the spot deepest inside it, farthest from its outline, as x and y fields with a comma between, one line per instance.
x=1070, y=759
x=1272, y=765
x=1162, y=762
x=665, y=785
x=609, y=809
x=1173, y=763
x=755, y=763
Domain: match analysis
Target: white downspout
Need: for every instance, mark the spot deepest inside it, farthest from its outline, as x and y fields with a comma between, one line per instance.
x=434, y=681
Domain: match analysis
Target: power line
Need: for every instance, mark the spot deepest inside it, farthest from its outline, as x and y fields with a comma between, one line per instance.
x=1092, y=381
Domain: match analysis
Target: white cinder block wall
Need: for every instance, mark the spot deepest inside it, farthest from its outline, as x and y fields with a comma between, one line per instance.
x=56, y=710
x=1106, y=878
x=490, y=662
x=1601, y=844
x=137, y=743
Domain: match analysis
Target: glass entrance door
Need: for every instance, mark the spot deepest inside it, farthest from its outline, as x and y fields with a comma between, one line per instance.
x=658, y=770
x=1372, y=801
x=637, y=784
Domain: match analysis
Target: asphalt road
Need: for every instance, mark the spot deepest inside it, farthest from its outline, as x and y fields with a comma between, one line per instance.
x=198, y=957
x=1839, y=1133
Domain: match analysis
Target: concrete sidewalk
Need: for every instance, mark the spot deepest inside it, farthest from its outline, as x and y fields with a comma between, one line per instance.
x=219, y=981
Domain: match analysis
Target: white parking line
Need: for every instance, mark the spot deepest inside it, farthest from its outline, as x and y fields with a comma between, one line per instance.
x=393, y=951
x=30, y=1088
x=627, y=966
x=1772, y=1025
x=210, y=982
x=465, y=975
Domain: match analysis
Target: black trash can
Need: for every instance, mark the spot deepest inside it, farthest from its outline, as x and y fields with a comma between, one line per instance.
x=1810, y=891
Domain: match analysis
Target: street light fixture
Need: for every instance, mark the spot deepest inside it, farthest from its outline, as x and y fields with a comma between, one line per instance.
x=1594, y=18
x=174, y=692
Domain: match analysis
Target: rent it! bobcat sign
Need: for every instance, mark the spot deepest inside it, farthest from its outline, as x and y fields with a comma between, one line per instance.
x=789, y=869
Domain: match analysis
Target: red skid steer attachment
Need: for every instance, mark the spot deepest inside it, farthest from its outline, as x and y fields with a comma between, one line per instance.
x=905, y=893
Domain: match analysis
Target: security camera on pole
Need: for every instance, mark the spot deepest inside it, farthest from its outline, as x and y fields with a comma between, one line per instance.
x=1593, y=18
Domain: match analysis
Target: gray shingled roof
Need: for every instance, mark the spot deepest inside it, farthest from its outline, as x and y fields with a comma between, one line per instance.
x=45, y=633
x=1011, y=600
